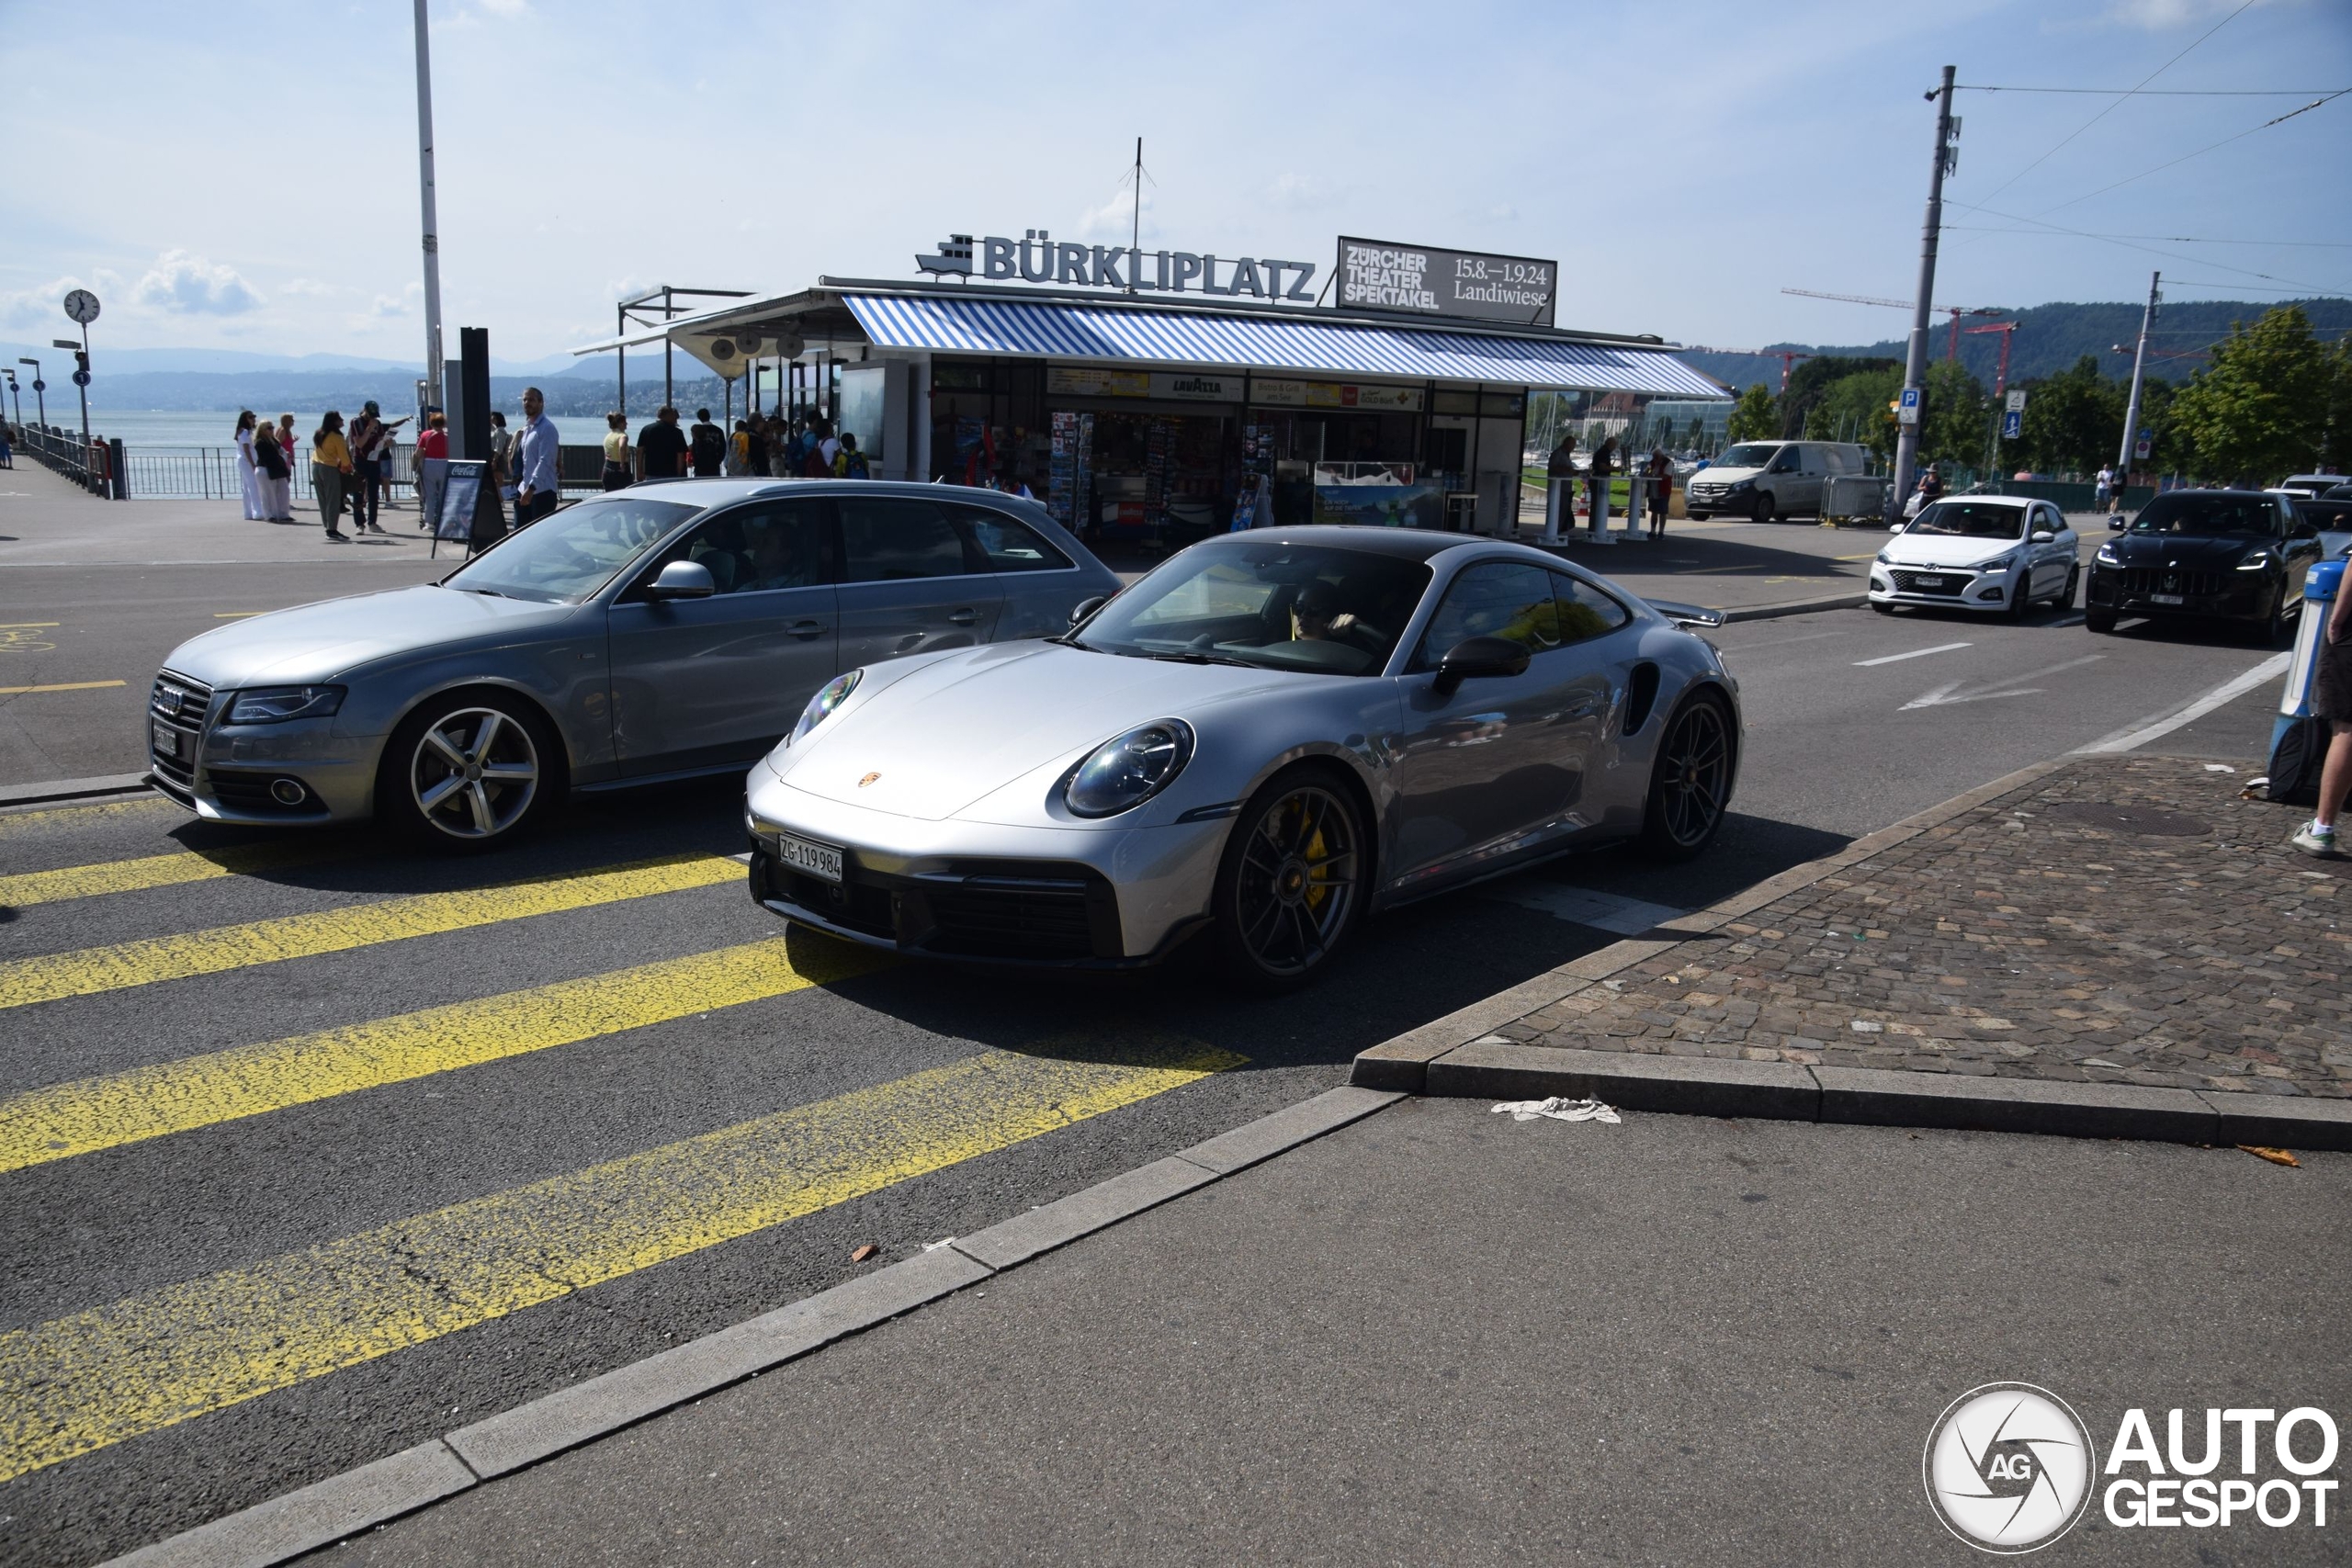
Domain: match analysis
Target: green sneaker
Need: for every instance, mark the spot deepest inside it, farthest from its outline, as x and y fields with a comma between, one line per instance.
x=2318, y=841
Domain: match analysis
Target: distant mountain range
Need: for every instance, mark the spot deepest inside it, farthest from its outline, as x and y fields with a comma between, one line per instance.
x=2049, y=338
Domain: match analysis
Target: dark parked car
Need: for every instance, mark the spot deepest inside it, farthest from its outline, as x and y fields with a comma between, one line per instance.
x=2332, y=515
x=2223, y=554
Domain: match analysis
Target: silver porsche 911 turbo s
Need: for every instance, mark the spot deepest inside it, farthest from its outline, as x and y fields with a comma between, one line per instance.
x=659, y=632
x=1267, y=737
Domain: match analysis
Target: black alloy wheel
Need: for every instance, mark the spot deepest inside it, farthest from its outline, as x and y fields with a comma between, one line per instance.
x=1690, y=782
x=2099, y=621
x=1291, y=888
x=2073, y=583
x=1761, y=509
x=2021, y=598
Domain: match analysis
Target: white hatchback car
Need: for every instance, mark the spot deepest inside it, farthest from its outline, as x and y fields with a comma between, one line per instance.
x=1986, y=553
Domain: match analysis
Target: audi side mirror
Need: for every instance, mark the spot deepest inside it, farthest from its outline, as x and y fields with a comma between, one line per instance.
x=1479, y=658
x=1087, y=607
x=682, y=579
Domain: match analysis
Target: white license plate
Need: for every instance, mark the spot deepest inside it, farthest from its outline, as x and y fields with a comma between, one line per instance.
x=2166, y=599
x=815, y=860
x=168, y=740
x=1929, y=582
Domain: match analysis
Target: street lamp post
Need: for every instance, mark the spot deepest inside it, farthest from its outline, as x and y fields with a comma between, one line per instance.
x=41, y=403
x=432, y=222
x=15, y=391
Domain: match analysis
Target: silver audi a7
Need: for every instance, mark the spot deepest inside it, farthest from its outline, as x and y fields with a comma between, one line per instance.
x=1267, y=737
x=654, y=633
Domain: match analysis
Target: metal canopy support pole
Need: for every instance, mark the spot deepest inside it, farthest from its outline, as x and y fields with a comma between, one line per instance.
x=2139, y=372
x=432, y=221
x=668, y=396
x=1915, y=362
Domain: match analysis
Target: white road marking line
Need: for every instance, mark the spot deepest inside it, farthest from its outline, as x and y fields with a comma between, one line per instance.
x=2007, y=687
x=1915, y=653
x=2156, y=727
x=1606, y=912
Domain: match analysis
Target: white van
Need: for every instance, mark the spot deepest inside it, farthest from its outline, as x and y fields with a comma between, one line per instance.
x=1768, y=480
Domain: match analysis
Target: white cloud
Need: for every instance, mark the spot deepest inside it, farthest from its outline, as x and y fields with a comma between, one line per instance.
x=1298, y=193
x=36, y=307
x=2158, y=15
x=312, y=285
x=1116, y=217
x=190, y=286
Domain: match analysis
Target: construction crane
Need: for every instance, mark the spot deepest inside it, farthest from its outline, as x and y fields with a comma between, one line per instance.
x=1951, y=349
x=2008, y=335
x=1787, y=357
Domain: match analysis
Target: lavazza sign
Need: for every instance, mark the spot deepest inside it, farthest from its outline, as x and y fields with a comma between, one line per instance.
x=1371, y=275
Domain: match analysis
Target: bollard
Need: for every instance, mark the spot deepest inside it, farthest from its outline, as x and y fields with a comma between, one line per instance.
x=2320, y=587
x=1559, y=502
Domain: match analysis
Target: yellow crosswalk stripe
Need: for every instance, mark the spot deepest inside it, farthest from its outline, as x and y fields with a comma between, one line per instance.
x=67, y=687
x=79, y=1382
x=92, y=969
x=136, y=875
x=64, y=1119
x=18, y=824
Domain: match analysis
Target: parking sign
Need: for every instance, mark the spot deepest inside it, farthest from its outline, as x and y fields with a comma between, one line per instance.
x=2016, y=402
x=1906, y=411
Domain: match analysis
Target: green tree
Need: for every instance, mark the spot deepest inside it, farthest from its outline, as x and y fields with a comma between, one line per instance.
x=1757, y=415
x=2072, y=420
x=2259, y=411
x=1858, y=407
x=2335, y=443
x=1810, y=382
x=1952, y=424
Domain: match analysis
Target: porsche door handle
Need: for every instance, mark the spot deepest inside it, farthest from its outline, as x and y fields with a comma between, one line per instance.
x=803, y=630
x=964, y=617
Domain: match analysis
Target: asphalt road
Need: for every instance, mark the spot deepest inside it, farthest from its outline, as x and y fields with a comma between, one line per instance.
x=1439, y=1336
x=397, y=1219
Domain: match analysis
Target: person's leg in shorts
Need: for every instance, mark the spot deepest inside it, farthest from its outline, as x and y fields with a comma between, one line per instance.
x=2331, y=700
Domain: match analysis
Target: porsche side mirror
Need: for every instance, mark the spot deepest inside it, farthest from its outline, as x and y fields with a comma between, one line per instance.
x=1479, y=657
x=2042, y=535
x=682, y=579
x=1087, y=607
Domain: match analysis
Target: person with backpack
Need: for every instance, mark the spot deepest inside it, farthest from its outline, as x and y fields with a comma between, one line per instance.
x=2331, y=701
x=849, y=463
x=706, y=447
x=817, y=458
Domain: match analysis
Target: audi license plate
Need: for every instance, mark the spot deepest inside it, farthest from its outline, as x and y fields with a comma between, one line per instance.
x=2166, y=599
x=1929, y=582
x=168, y=740
x=813, y=860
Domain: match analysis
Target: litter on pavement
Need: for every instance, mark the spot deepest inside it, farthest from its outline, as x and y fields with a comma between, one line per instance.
x=1560, y=1110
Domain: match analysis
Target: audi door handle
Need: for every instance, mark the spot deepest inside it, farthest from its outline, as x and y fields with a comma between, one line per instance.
x=803, y=630
x=964, y=617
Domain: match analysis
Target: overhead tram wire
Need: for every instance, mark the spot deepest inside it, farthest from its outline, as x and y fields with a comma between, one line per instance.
x=2168, y=239
x=2185, y=157
x=2150, y=250
x=2119, y=101
x=2156, y=92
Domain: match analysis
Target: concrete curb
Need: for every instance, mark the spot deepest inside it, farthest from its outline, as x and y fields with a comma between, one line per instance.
x=1460, y=1054
x=320, y=1514
x=1798, y=607
x=70, y=789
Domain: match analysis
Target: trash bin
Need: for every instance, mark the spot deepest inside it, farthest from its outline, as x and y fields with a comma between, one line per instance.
x=2320, y=588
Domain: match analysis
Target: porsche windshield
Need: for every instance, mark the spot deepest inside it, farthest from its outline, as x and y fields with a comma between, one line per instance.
x=1970, y=520
x=2207, y=515
x=564, y=558
x=1304, y=608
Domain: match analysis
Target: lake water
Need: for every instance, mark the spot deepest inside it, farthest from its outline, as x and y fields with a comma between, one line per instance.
x=147, y=430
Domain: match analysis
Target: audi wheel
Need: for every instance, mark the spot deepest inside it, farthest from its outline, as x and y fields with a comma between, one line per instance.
x=469, y=772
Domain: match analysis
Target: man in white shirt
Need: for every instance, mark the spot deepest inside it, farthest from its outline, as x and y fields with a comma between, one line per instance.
x=537, y=482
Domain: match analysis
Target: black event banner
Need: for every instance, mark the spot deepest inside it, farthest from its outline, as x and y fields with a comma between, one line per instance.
x=460, y=497
x=1424, y=280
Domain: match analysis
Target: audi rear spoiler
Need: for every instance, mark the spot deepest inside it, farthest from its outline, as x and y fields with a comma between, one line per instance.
x=1685, y=614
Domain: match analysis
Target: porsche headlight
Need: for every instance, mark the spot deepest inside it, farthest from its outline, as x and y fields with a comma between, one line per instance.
x=1124, y=774
x=275, y=704
x=821, y=707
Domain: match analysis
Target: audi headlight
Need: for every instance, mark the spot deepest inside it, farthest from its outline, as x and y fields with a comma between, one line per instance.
x=832, y=694
x=275, y=704
x=1124, y=774
x=2107, y=556
x=2255, y=562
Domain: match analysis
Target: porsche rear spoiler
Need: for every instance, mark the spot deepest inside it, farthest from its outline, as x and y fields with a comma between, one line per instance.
x=1685, y=614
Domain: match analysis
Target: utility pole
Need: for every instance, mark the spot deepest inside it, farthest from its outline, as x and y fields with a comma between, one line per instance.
x=2139, y=370
x=432, y=222
x=1915, y=363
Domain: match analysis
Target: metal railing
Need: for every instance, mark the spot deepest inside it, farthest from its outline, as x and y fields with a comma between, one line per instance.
x=94, y=466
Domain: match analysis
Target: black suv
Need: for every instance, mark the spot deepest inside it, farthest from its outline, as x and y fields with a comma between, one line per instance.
x=2237, y=555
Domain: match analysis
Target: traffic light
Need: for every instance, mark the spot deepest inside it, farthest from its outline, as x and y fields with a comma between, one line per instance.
x=81, y=362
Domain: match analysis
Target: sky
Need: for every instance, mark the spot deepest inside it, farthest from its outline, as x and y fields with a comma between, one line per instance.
x=247, y=179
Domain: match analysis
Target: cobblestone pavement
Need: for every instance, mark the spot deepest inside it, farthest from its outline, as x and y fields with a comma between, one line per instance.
x=2122, y=920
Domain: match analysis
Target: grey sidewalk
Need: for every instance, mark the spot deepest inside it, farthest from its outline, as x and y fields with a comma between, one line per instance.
x=1438, y=1336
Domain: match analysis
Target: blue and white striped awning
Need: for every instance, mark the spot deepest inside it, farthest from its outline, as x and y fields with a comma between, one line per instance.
x=1267, y=344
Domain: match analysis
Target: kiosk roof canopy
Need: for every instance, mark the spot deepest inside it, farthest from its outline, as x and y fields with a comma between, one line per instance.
x=1266, y=343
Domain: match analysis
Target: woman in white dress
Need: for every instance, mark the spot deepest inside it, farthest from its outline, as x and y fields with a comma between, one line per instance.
x=248, y=472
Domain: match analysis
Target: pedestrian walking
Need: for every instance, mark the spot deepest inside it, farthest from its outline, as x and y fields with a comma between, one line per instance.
x=661, y=447
x=617, y=474
x=367, y=438
x=331, y=471
x=272, y=474
x=435, y=441
x=708, y=444
x=759, y=448
x=817, y=455
x=1660, y=474
x=248, y=469
x=537, y=466
x=2332, y=700
x=8, y=455
x=849, y=463
x=2102, y=488
x=1597, y=482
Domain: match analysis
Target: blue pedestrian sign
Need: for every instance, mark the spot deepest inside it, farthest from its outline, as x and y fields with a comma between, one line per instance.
x=2011, y=422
